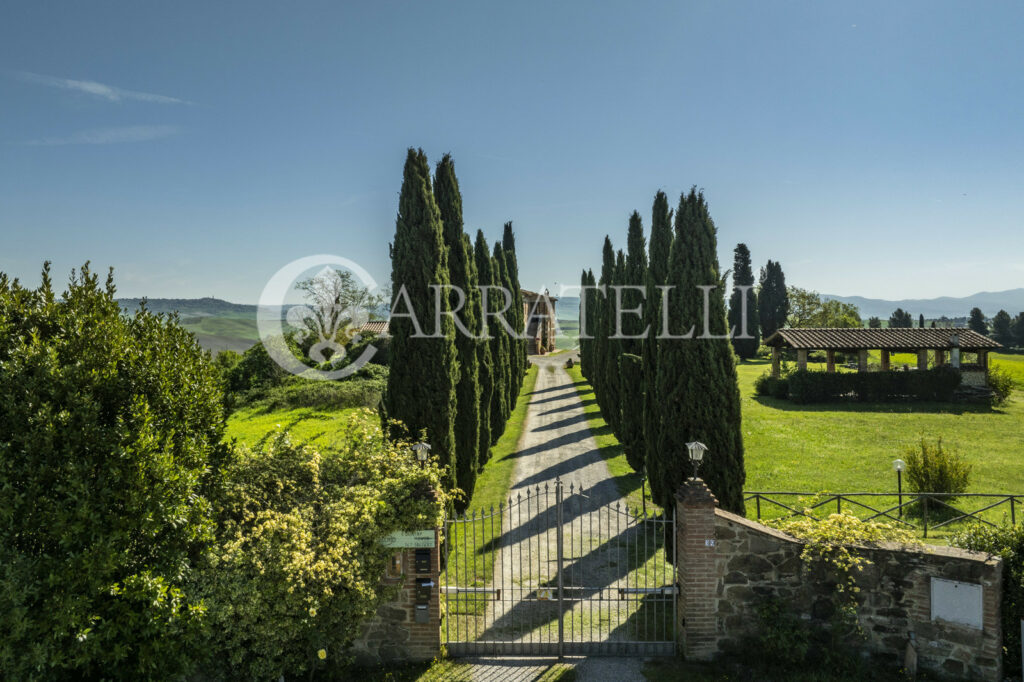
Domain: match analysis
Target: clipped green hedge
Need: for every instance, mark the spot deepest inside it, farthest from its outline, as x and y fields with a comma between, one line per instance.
x=936, y=385
x=774, y=387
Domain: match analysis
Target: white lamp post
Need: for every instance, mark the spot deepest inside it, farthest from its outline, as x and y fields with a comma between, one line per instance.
x=696, y=450
x=899, y=465
x=422, y=451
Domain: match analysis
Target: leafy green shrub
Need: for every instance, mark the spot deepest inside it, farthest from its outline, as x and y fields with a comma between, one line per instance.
x=1002, y=384
x=255, y=370
x=774, y=387
x=329, y=395
x=108, y=425
x=1007, y=542
x=299, y=558
x=631, y=380
x=935, y=469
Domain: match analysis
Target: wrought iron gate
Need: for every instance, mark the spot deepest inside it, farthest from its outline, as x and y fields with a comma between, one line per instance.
x=554, y=571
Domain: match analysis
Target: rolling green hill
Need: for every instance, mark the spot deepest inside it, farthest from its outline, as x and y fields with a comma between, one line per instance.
x=218, y=325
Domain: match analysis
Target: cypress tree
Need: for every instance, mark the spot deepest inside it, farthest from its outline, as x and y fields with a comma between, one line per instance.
x=631, y=422
x=591, y=320
x=485, y=366
x=743, y=275
x=657, y=273
x=611, y=409
x=584, y=343
x=517, y=316
x=920, y=321
x=604, y=318
x=462, y=270
x=506, y=346
x=492, y=391
x=697, y=384
x=772, y=299
x=424, y=371
x=976, y=321
x=634, y=275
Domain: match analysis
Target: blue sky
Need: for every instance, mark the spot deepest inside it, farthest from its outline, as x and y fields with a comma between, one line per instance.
x=873, y=148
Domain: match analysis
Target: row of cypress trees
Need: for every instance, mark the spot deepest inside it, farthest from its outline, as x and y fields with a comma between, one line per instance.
x=657, y=394
x=454, y=389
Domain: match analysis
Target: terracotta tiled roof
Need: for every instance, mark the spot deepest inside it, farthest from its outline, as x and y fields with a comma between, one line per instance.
x=375, y=327
x=879, y=339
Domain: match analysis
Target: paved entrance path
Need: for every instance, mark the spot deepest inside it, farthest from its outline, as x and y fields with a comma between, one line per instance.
x=557, y=443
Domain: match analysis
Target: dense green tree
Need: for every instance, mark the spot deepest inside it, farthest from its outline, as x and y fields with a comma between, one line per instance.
x=900, y=319
x=497, y=341
x=631, y=423
x=920, y=321
x=110, y=425
x=591, y=317
x=772, y=299
x=424, y=366
x=807, y=309
x=605, y=320
x=611, y=408
x=657, y=274
x=874, y=323
x=508, y=341
x=697, y=386
x=465, y=293
x=485, y=361
x=1018, y=330
x=743, y=276
x=517, y=315
x=1002, y=328
x=585, y=296
x=634, y=277
x=976, y=321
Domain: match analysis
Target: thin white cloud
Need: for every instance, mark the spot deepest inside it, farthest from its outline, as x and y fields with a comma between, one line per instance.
x=110, y=135
x=101, y=90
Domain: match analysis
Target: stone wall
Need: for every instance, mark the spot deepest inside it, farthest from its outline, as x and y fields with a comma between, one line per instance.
x=729, y=565
x=395, y=634
x=977, y=377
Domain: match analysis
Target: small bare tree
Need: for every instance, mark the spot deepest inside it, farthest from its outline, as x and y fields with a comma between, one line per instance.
x=338, y=307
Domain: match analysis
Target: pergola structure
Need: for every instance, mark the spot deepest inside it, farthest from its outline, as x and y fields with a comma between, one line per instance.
x=858, y=340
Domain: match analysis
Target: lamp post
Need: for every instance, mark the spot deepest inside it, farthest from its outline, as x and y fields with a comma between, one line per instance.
x=696, y=450
x=422, y=451
x=899, y=465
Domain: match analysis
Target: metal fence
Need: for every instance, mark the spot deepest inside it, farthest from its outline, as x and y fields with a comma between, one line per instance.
x=555, y=572
x=913, y=511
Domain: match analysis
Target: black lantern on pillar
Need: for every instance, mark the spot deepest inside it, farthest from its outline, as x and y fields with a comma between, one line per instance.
x=696, y=450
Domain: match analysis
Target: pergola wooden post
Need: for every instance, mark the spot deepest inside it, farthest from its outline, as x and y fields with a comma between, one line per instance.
x=831, y=356
x=776, y=359
x=922, y=359
x=862, y=360
x=885, y=360
x=940, y=358
x=983, y=359
x=801, y=359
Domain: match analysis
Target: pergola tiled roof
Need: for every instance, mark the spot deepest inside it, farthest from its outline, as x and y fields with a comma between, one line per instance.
x=892, y=339
x=375, y=327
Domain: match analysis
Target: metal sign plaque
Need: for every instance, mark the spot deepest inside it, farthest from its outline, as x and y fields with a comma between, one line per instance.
x=957, y=602
x=410, y=539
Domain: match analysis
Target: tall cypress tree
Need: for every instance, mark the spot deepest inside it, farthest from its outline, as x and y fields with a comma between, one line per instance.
x=493, y=392
x=424, y=371
x=508, y=247
x=772, y=299
x=657, y=274
x=743, y=275
x=611, y=408
x=462, y=270
x=498, y=405
x=584, y=343
x=697, y=384
x=634, y=275
x=485, y=364
x=591, y=323
x=507, y=346
x=604, y=311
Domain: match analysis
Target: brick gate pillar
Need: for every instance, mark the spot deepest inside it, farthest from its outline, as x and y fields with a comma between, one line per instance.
x=695, y=570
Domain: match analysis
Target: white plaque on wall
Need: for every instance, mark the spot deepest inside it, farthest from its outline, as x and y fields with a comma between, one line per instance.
x=957, y=602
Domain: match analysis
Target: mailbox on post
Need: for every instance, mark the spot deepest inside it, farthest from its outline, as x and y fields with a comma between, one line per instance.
x=423, y=590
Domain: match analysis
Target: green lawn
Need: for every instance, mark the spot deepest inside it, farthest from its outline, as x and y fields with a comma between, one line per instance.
x=850, y=447
x=318, y=427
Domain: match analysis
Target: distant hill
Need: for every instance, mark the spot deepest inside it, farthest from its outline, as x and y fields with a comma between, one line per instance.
x=218, y=325
x=1011, y=301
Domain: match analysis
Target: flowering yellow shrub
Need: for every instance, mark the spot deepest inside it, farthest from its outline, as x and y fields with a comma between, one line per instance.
x=298, y=559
